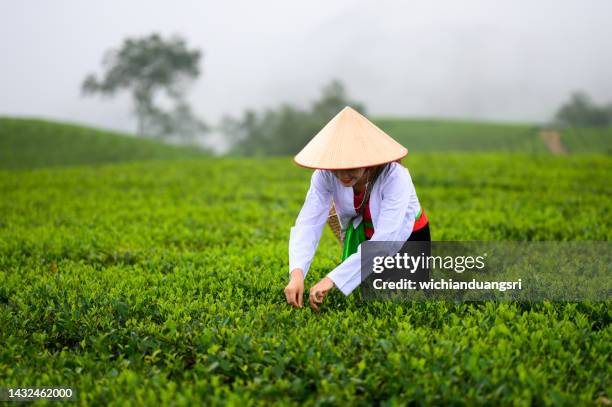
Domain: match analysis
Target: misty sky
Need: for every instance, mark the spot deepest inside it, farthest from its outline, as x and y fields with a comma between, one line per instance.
x=495, y=60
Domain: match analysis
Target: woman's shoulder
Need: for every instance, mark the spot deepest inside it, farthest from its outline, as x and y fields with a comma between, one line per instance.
x=323, y=178
x=322, y=174
x=394, y=176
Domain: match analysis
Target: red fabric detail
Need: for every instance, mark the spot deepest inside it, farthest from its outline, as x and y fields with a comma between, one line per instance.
x=367, y=216
x=420, y=222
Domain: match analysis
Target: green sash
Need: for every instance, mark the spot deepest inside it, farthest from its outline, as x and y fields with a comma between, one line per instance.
x=352, y=239
x=355, y=236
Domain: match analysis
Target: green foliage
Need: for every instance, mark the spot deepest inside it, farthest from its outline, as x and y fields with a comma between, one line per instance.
x=287, y=129
x=432, y=135
x=147, y=66
x=33, y=143
x=455, y=135
x=161, y=282
x=587, y=140
x=580, y=111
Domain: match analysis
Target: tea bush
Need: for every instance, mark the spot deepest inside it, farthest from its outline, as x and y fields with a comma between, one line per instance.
x=161, y=282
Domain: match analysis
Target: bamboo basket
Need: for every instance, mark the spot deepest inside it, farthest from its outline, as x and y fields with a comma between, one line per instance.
x=334, y=223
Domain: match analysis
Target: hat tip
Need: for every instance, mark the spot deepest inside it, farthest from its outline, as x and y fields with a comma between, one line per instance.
x=347, y=109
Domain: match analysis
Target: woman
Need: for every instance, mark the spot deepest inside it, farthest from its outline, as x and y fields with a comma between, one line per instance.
x=356, y=165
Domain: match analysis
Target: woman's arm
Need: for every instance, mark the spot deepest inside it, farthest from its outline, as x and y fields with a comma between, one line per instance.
x=395, y=222
x=306, y=233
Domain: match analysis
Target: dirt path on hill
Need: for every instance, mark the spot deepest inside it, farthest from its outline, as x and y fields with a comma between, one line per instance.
x=553, y=142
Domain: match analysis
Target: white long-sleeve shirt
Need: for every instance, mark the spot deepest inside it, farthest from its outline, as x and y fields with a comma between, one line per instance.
x=393, y=206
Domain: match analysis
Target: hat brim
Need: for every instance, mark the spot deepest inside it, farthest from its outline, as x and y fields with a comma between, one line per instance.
x=350, y=167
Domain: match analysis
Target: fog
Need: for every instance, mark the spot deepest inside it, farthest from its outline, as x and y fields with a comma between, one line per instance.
x=491, y=60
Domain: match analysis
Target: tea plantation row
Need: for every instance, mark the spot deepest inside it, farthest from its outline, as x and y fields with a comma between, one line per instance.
x=161, y=282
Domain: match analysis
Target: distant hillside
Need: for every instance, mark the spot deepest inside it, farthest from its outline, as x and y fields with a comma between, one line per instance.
x=581, y=140
x=425, y=135
x=33, y=143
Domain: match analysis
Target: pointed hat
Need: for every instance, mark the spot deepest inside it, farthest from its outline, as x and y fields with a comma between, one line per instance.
x=348, y=141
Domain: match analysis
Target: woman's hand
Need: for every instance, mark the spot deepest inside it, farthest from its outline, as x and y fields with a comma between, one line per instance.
x=295, y=289
x=319, y=291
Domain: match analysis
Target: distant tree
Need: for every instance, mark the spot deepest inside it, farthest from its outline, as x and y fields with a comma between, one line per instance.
x=333, y=99
x=286, y=129
x=244, y=134
x=148, y=66
x=580, y=111
x=181, y=122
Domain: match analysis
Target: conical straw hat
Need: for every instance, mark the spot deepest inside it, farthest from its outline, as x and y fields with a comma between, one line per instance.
x=348, y=141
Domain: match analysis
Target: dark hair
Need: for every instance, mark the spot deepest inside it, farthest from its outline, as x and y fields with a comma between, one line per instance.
x=378, y=170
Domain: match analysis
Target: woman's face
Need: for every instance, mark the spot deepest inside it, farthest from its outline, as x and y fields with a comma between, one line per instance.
x=349, y=178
